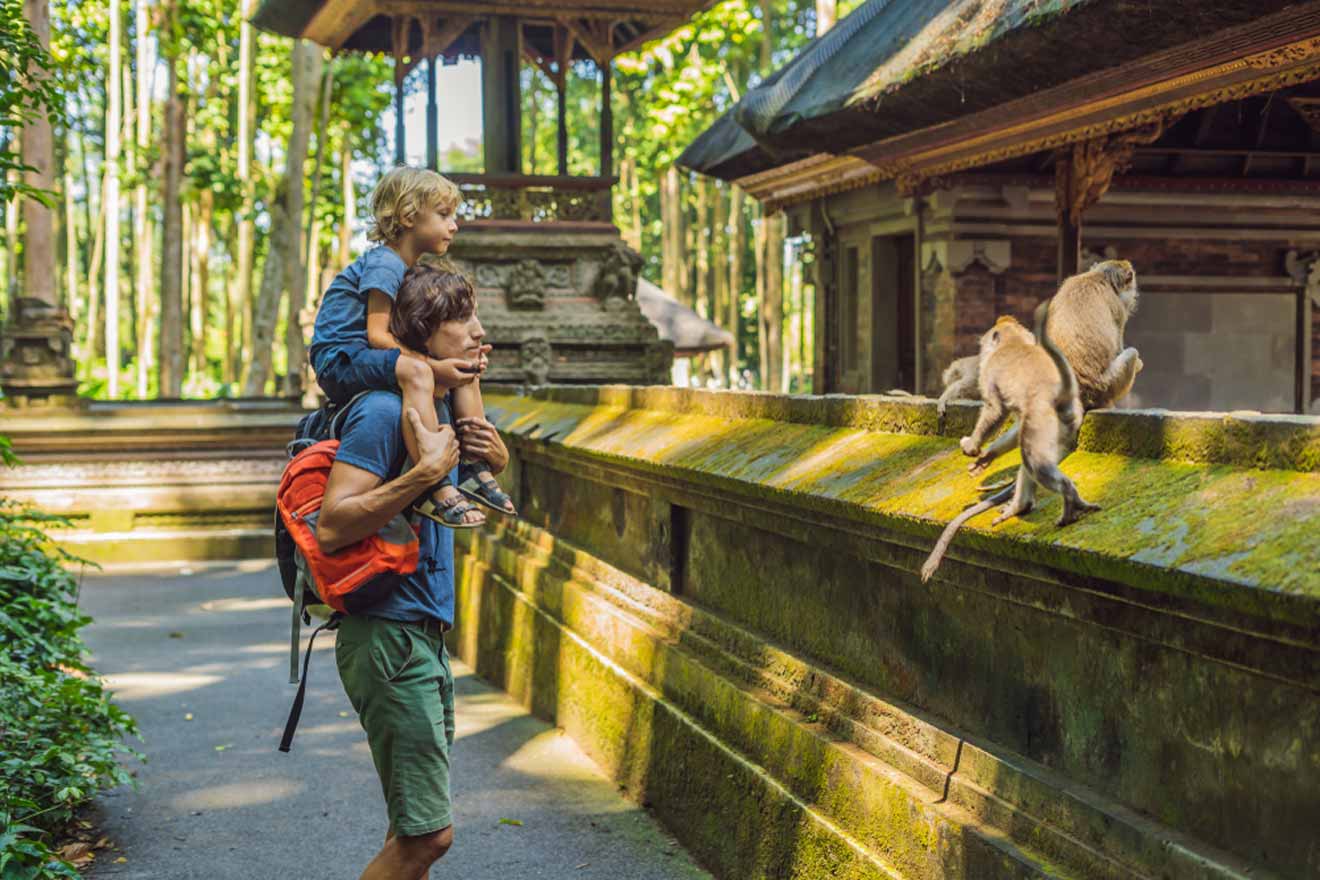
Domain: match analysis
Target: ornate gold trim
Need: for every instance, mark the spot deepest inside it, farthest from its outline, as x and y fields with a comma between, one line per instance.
x=1289, y=65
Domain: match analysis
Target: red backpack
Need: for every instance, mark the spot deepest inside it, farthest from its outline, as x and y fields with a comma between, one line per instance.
x=348, y=580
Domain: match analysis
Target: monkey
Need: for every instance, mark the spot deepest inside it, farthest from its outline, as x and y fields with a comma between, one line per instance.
x=960, y=382
x=1036, y=382
x=1087, y=319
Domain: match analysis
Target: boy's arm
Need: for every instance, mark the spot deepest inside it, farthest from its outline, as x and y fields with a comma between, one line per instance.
x=378, y=321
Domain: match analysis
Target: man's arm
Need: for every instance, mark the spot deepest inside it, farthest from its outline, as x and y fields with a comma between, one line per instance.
x=357, y=502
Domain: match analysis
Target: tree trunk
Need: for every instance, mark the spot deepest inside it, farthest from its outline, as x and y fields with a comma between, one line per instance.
x=240, y=342
x=110, y=198
x=720, y=277
x=701, y=287
x=273, y=279
x=306, y=79
x=762, y=351
x=95, y=341
x=773, y=304
x=826, y=15
x=11, y=241
x=350, y=201
x=201, y=276
x=142, y=232
x=669, y=260
x=71, y=271
x=737, y=245
x=39, y=153
x=171, y=274
x=313, y=257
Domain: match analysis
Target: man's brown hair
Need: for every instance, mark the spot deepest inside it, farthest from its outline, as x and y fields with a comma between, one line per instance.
x=428, y=297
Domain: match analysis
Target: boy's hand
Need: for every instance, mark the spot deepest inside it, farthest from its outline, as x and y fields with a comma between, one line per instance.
x=479, y=354
x=438, y=450
x=454, y=372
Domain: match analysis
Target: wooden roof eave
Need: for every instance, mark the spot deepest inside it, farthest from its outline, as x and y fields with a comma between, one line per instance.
x=1256, y=59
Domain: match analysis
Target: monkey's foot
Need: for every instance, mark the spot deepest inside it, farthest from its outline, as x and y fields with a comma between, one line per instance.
x=1081, y=508
x=1008, y=511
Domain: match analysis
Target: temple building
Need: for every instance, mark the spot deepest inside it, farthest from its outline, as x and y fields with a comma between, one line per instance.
x=980, y=151
x=556, y=284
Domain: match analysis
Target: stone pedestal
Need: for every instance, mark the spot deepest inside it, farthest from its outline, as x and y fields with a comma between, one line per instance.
x=36, y=353
x=558, y=301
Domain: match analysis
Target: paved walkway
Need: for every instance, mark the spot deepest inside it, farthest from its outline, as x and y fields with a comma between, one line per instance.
x=201, y=660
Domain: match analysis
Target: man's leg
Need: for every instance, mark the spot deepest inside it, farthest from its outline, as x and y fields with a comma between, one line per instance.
x=409, y=858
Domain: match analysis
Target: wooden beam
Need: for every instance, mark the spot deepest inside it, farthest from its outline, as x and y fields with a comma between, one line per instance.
x=564, y=43
x=337, y=20
x=548, y=9
x=437, y=37
x=600, y=50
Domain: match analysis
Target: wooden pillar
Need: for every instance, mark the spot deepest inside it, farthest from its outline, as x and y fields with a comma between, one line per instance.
x=1069, y=228
x=432, y=117
x=501, y=94
x=400, y=146
x=562, y=117
x=606, y=122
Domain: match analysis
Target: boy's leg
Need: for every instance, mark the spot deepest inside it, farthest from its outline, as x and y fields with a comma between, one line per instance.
x=468, y=405
x=417, y=384
x=409, y=858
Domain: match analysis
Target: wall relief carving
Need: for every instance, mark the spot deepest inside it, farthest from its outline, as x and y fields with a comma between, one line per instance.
x=616, y=282
x=526, y=285
x=534, y=357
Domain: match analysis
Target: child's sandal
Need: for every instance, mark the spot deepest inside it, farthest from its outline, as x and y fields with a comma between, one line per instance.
x=488, y=494
x=449, y=512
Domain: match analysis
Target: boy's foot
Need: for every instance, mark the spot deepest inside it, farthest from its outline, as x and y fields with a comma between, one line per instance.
x=447, y=507
x=481, y=487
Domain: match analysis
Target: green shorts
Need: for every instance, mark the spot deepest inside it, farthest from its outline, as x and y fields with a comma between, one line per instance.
x=398, y=679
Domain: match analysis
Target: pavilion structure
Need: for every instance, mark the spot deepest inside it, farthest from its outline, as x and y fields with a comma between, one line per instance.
x=556, y=284
x=981, y=151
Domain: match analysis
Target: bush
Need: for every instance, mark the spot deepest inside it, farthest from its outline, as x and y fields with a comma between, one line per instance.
x=60, y=736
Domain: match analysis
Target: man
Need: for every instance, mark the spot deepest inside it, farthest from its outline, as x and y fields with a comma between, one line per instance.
x=392, y=659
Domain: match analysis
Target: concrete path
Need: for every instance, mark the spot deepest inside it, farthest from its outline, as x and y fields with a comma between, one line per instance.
x=201, y=660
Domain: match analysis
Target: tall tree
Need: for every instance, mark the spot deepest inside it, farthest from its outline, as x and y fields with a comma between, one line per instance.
x=307, y=80
x=142, y=237
x=243, y=309
x=110, y=196
x=737, y=244
x=171, y=274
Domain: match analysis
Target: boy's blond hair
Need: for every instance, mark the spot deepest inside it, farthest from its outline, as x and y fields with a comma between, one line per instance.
x=401, y=193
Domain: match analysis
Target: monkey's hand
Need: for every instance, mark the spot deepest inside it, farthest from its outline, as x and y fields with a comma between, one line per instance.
x=969, y=447
x=1137, y=364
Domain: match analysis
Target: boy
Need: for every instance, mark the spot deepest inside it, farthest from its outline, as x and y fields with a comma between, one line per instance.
x=353, y=349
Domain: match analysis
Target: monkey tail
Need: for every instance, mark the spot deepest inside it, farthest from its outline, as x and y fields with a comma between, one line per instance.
x=1063, y=404
x=946, y=537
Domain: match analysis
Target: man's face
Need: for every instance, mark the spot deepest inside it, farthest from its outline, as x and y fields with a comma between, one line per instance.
x=434, y=228
x=457, y=339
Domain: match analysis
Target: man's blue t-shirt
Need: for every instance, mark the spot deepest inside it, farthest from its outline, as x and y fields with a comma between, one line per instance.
x=341, y=321
x=372, y=439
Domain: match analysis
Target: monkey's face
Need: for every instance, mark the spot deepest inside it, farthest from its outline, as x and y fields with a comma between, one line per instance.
x=1123, y=278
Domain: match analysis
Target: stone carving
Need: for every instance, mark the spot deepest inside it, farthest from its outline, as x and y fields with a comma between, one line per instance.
x=36, y=352
x=490, y=276
x=1085, y=170
x=535, y=355
x=526, y=285
x=617, y=279
x=994, y=255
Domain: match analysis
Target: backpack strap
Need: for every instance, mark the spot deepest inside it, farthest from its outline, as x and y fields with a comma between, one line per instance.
x=295, y=712
x=337, y=420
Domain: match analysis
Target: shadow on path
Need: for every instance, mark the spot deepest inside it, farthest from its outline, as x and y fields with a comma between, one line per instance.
x=201, y=660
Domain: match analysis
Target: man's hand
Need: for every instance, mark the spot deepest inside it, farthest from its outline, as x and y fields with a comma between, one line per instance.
x=438, y=450
x=479, y=439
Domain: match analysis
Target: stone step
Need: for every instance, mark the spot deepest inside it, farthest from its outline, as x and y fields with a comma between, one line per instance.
x=787, y=708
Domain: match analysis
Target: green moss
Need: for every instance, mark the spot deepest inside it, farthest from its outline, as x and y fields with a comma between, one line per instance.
x=1166, y=523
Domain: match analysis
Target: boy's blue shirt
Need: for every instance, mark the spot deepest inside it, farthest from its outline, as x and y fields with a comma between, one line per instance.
x=341, y=321
x=372, y=439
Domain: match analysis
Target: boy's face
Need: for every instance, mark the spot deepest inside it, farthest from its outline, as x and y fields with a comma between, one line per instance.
x=433, y=229
x=456, y=339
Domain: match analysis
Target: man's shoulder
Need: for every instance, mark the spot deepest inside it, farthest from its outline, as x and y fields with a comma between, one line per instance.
x=374, y=410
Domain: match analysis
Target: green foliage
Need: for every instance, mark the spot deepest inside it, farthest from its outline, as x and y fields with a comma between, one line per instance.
x=60, y=736
x=30, y=91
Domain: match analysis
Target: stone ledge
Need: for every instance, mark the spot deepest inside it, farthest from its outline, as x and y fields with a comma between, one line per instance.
x=1204, y=529
x=1246, y=439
